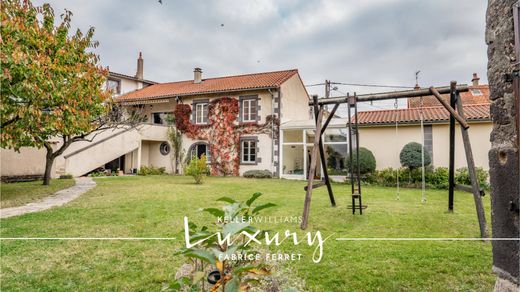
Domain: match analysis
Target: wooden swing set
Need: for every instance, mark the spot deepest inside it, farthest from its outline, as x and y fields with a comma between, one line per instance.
x=454, y=107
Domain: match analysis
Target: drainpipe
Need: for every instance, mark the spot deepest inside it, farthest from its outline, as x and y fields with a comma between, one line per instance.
x=272, y=132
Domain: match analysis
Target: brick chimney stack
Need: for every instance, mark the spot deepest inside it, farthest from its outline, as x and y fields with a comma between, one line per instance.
x=197, y=75
x=140, y=64
x=475, y=79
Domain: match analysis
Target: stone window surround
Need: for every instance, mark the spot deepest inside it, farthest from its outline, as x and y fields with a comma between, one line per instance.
x=194, y=110
x=257, y=150
x=258, y=107
x=164, y=148
x=428, y=140
x=195, y=144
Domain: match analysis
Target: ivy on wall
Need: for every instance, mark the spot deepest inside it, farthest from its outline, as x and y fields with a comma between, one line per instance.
x=223, y=132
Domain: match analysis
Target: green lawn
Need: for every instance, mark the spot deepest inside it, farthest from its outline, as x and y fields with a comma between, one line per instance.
x=155, y=206
x=17, y=194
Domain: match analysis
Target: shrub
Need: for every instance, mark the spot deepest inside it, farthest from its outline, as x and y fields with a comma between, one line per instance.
x=258, y=174
x=197, y=168
x=367, y=161
x=150, y=170
x=66, y=176
x=438, y=178
x=410, y=156
x=434, y=178
x=97, y=174
x=462, y=176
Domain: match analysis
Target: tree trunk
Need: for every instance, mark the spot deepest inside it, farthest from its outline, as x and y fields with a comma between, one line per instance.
x=49, y=161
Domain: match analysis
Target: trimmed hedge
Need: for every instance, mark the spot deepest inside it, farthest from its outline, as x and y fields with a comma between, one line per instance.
x=258, y=174
x=436, y=178
x=145, y=170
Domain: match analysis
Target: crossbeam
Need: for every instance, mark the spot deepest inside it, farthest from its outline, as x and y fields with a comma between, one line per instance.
x=390, y=95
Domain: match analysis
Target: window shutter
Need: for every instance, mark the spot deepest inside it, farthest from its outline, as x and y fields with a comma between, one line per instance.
x=258, y=159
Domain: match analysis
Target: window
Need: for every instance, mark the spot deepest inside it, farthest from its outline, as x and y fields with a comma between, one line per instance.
x=164, y=148
x=199, y=149
x=201, y=113
x=249, y=110
x=114, y=86
x=163, y=118
x=248, y=151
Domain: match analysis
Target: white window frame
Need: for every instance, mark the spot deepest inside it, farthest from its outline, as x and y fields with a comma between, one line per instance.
x=247, y=111
x=200, y=117
x=306, y=146
x=251, y=144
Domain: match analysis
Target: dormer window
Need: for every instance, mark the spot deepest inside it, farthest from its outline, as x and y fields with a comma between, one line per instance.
x=476, y=92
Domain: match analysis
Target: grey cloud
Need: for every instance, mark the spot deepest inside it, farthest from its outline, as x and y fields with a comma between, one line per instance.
x=380, y=42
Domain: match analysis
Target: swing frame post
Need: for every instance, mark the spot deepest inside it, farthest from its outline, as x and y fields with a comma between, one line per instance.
x=451, y=169
x=481, y=214
x=455, y=102
x=358, y=170
x=351, y=172
x=312, y=170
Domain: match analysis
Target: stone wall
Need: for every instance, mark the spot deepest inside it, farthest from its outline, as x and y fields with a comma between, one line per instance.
x=503, y=156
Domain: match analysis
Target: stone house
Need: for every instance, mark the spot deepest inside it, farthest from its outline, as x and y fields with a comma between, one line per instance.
x=260, y=102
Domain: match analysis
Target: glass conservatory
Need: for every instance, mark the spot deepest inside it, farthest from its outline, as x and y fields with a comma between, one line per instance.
x=297, y=138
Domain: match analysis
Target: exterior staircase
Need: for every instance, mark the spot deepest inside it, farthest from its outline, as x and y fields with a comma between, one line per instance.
x=83, y=157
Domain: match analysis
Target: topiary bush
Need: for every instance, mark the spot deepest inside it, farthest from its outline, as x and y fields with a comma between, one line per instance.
x=367, y=161
x=410, y=156
x=258, y=174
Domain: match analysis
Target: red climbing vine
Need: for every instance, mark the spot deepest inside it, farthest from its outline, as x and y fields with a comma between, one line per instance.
x=222, y=132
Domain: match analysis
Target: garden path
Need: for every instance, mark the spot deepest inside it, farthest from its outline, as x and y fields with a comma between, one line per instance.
x=83, y=184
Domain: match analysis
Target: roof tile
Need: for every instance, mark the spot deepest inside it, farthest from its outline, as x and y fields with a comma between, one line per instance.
x=413, y=115
x=476, y=95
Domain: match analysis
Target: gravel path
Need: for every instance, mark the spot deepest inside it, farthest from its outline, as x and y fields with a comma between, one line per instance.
x=83, y=184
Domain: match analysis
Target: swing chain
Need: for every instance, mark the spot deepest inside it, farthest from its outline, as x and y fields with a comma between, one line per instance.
x=423, y=191
x=396, y=104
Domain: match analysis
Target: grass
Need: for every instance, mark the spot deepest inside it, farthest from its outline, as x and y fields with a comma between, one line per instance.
x=21, y=193
x=154, y=206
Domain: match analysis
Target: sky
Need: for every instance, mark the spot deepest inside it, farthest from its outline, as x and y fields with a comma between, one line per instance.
x=349, y=41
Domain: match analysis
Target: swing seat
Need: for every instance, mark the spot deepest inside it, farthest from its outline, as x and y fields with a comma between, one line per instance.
x=357, y=207
x=356, y=195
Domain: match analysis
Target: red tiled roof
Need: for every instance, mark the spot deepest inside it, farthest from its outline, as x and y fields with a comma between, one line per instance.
x=212, y=85
x=476, y=95
x=412, y=115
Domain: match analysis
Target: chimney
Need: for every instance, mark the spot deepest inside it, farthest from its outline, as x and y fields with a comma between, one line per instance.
x=139, y=73
x=197, y=75
x=475, y=79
